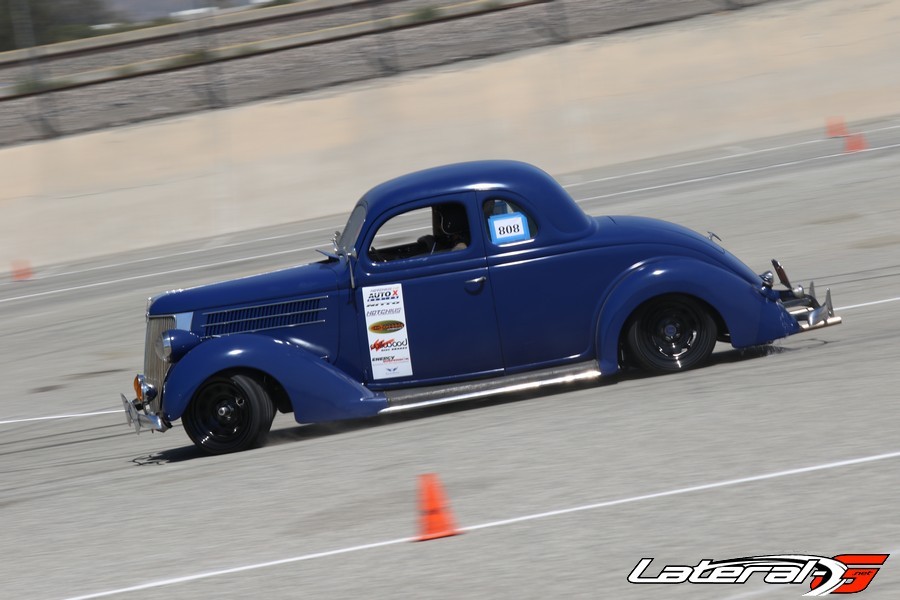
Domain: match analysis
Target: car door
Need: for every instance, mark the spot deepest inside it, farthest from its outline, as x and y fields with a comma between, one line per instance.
x=545, y=293
x=426, y=309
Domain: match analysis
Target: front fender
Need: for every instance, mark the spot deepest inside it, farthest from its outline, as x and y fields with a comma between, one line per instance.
x=317, y=390
x=751, y=317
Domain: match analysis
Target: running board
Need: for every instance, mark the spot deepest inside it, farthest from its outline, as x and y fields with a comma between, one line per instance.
x=409, y=399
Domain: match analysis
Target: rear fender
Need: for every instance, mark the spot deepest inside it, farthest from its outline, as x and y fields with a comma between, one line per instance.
x=317, y=390
x=751, y=317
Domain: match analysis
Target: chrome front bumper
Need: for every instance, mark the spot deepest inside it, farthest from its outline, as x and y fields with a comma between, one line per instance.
x=812, y=315
x=141, y=420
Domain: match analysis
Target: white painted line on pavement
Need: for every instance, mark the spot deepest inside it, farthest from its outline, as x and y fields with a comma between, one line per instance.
x=693, y=163
x=185, y=253
x=146, y=275
x=175, y=254
x=740, y=154
x=781, y=165
x=687, y=490
x=532, y=517
x=207, y=575
x=180, y=270
x=52, y=417
x=852, y=306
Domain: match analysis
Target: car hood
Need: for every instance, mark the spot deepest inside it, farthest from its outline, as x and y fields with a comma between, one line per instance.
x=644, y=230
x=293, y=283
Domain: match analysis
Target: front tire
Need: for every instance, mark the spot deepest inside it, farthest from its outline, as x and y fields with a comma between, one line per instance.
x=670, y=334
x=229, y=413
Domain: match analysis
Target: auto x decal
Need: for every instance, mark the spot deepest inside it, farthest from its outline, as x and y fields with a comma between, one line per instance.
x=841, y=574
x=389, y=353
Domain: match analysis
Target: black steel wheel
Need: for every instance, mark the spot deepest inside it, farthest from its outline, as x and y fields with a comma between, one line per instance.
x=671, y=333
x=229, y=414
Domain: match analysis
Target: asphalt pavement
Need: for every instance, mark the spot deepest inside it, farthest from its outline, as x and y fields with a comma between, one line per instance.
x=789, y=449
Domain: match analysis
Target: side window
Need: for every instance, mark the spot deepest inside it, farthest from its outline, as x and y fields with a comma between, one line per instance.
x=422, y=232
x=507, y=223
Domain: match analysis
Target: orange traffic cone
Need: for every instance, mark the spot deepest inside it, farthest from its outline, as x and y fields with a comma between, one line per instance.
x=835, y=127
x=855, y=142
x=434, y=514
x=21, y=270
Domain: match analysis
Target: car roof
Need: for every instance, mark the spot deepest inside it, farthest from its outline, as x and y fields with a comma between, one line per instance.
x=546, y=197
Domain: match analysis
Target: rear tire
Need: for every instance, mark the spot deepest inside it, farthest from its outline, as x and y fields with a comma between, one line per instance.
x=670, y=334
x=229, y=413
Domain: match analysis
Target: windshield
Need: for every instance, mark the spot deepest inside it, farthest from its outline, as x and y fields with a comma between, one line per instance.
x=351, y=231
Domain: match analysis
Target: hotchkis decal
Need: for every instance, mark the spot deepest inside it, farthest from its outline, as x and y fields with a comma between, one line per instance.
x=388, y=342
x=841, y=574
x=512, y=227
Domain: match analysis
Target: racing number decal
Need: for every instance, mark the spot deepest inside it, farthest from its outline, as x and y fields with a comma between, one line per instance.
x=511, y=227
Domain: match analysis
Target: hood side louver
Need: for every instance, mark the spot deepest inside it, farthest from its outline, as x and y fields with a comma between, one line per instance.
x=264, y=316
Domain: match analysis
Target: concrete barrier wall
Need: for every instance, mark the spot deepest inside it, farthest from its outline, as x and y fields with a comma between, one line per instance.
x=713, y=80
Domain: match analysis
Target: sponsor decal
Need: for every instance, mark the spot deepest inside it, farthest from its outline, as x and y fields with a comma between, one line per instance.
x=389, y=352
x=384, y=312
x=391, y=294
x=841, y=574
x=391, y=359
x=389, y=344
x=379, y=344
x=386, y=326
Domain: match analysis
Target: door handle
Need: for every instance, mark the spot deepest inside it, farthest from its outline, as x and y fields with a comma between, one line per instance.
x=474, y=286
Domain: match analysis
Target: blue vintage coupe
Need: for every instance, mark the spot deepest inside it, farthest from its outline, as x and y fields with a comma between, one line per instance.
x=448, y=284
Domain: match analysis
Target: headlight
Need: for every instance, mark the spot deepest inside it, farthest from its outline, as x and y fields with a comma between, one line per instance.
x=163, y=346
x=172, y=344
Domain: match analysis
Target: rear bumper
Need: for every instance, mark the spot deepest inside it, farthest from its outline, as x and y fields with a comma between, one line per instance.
x=141, y=420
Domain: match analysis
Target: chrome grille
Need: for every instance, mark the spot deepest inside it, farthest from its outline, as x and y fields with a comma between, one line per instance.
x=264, y=316
x=155, y=369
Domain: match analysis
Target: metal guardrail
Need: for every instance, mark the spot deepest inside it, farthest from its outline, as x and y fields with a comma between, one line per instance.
x=110, y=81
x=45, y=85
x=174, y=31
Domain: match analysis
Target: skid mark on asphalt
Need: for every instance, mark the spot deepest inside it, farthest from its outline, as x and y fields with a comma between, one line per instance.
x=533, y=517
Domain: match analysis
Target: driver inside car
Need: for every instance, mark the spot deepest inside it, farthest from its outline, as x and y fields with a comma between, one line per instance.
x=451, y=229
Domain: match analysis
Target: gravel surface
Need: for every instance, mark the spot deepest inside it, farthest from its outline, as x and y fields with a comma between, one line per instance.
x=305, y=69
